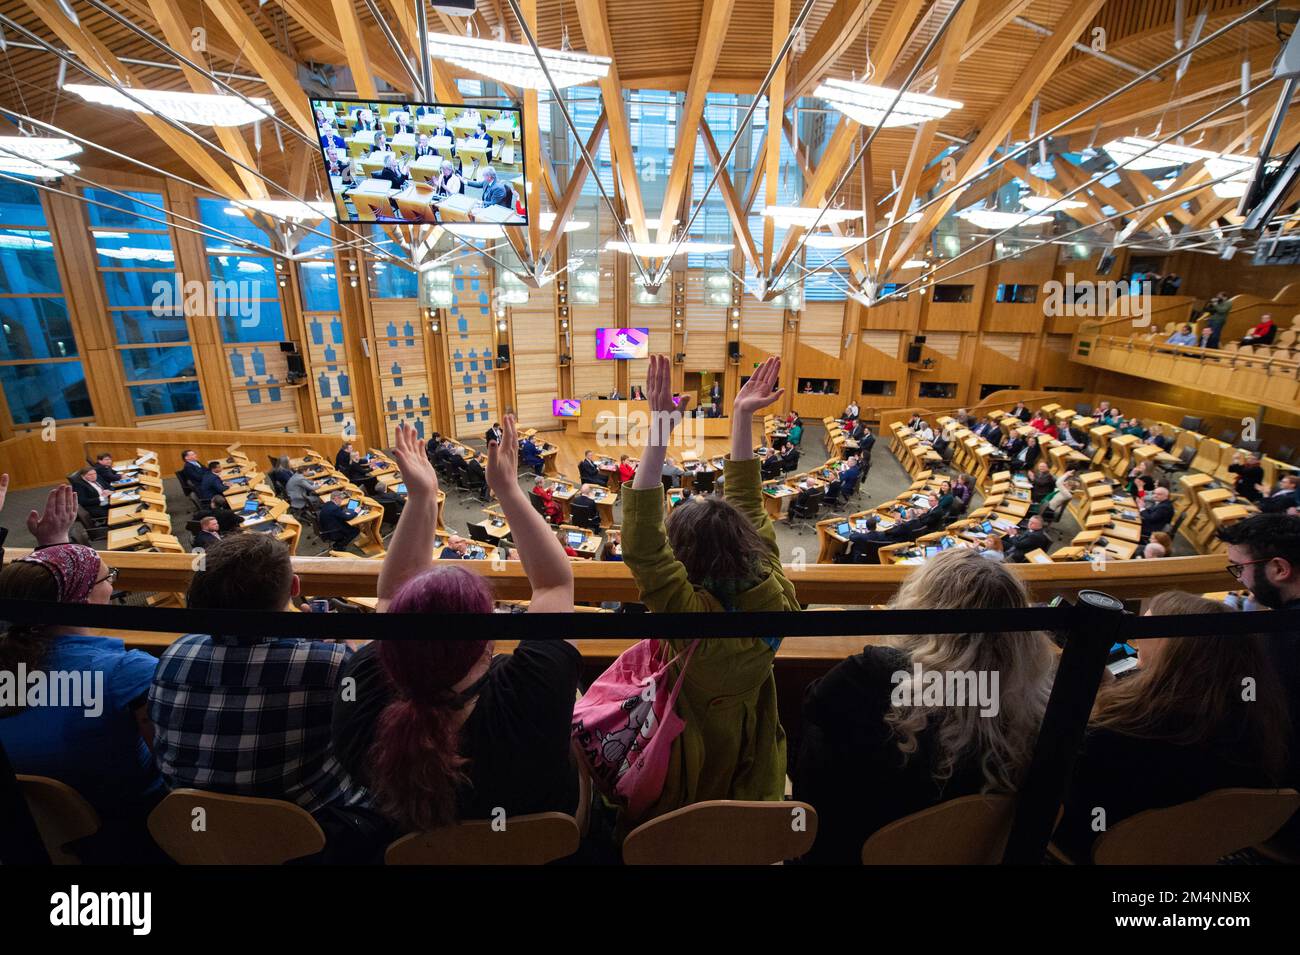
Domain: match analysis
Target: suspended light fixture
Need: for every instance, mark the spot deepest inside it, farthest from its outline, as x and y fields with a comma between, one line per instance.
x=822, y=240
x=915, y=264
x=1040, y=203
x=659, y=250
x=516, y=64
x=995, y=219
x=651, y=223
x=44, y=157
x=804, y=216
x=202, y=109
x=547, y=221
x=293, y=209
x=1125, y=152
x=475, y=230
x=868, y=104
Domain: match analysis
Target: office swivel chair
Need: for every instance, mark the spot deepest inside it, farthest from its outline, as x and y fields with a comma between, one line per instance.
x=477, y=532
x=804, y=508
x=585, y=515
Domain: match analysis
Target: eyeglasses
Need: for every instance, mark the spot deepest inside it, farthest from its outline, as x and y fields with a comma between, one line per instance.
x=1236, y=569
x=110, y=577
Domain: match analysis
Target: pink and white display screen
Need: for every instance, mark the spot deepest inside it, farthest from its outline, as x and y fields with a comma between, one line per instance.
x=565, y=407
x=622, y=343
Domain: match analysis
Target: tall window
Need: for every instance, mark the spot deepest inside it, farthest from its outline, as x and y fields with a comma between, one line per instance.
x=39, y=370
x=387, y=279
x=146, y=300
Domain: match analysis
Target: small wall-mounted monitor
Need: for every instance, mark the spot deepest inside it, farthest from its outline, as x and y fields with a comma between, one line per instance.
x=288, y=347
x=622, y=343
x=297, y=366
x=565, y=407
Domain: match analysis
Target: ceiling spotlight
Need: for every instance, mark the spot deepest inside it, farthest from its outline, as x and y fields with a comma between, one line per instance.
x=868, y=104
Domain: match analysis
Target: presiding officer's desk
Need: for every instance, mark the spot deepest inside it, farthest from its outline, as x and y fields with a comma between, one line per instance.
x=603, y=414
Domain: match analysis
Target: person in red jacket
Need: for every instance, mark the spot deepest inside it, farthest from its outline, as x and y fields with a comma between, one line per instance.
x=626, y=469
x=550, y=509
x=1261, y=334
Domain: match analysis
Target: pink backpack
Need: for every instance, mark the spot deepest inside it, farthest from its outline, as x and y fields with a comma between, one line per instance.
x=625, y=725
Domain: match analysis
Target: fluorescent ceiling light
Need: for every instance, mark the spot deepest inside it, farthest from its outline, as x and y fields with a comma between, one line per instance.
x=1040, y=203
x=994, y=219
x=658, y=250
x=44, y=157
x=203, y=109
x=515, y=63
x=820, y=240
x=547, y=221
x=910, y=217
x=1125, y=153
x=915, y=264
x=1231, y=188
x=282, y=208
x=142, y=255
x=805, y=216
x=476, y=230
x=868, y=104
x=651, y=223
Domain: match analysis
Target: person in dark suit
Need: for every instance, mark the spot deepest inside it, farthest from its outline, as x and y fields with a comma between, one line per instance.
x=344, y=457
x=715, y=392
x=1157, y=512
x=495, y=192
x=422, y=147
x=330, y=139
x=864, y=546
x=335, y=165
x=91, y=495
x=493, y=433
x=474, y=470
x=1025, y=458
x=1021, y=412
x=104, y=470
x=191, y=467
x=1281, y=498
x=1250, y=475
x=333, y=522
x=403, y=124
x=1032, y=538
x=210, y=485
x=480, y=135
x=391, y=173
x=209, y=532
x=909, y=528
x=590, y=472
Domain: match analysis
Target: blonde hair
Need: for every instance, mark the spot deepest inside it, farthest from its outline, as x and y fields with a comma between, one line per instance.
x=960, y=579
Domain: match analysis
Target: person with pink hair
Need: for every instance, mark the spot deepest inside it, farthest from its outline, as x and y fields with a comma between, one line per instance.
x=441, y=729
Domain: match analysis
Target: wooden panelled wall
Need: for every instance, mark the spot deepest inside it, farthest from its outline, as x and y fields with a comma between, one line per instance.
x=375, y=362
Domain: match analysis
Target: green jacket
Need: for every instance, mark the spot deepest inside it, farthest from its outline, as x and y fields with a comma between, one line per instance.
x=733, y=746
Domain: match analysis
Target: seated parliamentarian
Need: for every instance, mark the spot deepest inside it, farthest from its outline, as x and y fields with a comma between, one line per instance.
x=1033, y=537
x=495, y=192
x=392, y=172
x=1157, y=511
x=210, y=484
x=300, y=491
x=333, y=520
x=91, y=495
x=864, y=761
x=456, y=548
x=209, y=532
x=550, y=507
x=448, y=182
x=1178, y=728
x=590, y=472
x=104, y=470
x=245, y=715
x=1283, y=497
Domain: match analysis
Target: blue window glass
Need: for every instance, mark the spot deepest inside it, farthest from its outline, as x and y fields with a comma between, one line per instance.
x=35, y=328
x=53, y=390
x=320, y=286
x=133, y=212
x=172, y=397
x=133, y=250
x=256, y=273
x=230, y=220
x=20, y=204
x=149, y=364
x=251, y=321
x=131, y=289
x=27, y=264
x=149, y=326
x=389, y=281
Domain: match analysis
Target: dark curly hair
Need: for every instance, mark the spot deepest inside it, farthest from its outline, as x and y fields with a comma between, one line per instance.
x=716, y=543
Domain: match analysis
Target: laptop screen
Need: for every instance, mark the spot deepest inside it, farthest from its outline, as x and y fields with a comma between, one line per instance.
x=399, y=488
x=843, y=529
x=353, y=506
x=250, y=507
x=931, y=551
x=574, y=538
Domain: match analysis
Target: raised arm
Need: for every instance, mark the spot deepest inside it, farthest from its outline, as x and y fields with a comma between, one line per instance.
x=410, y=552
x=743, y=486
x=52, y=526
x=664, y=417
x=548, y=569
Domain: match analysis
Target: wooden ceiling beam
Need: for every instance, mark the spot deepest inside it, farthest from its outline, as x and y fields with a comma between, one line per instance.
x=776, y=98
x=995, y=126
x=97, y=58
x=1091, y=214
x=595, y=31
x=568, y=200
x=979, y=36
x=839, y=31
x=739, y=224
x=444, y=89
x=280, y=72
x=713, y=32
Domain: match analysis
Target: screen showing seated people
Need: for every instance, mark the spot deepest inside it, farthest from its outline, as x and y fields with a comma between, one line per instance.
x=423, y=162
x=620, y=343
x=566, y=407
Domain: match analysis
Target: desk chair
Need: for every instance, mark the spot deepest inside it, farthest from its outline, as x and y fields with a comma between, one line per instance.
x=1200, y=832
x=969, y=830
x=723, y=832
x=584, y=515
x=804, y=508
x=241, y=830
x=96, y=527
x=669, y=482
x=534, y=839
x=479, y=533
x=61, y=814
x=538, y=505
x=703, y=482
x=473, y=487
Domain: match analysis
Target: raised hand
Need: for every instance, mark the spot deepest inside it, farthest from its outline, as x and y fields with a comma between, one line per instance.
x=4, y=489
x=664, y=414
x=417, y=472
x=60, y=514
x=503, y=458
x=757, y=392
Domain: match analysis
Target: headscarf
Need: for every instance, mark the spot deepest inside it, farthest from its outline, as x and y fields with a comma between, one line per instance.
x=74, y=566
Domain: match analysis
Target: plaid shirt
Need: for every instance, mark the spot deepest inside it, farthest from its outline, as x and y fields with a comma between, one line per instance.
x=251, y=718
